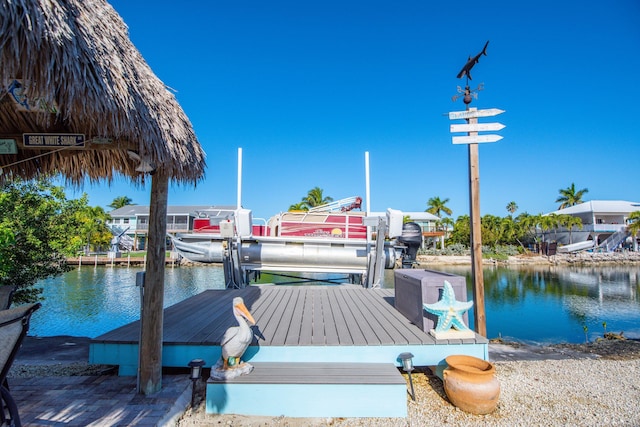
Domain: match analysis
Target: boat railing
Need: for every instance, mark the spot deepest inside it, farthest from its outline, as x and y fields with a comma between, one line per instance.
x=340, y=205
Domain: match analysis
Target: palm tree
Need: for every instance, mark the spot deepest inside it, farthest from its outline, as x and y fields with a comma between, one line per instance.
x=512, y=207
x=633, y=222
x=300, y=206
x=570, y=197
x=570, y=221
x=444, y=225
x=527, y=227
x=547, y=222
x=313, y=198
x=437, y=206
x=120, y=202
x=92, y=224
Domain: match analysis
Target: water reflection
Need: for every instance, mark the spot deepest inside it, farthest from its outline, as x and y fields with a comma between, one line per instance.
x=91, y=301
x=529, y=304
x=554, y=304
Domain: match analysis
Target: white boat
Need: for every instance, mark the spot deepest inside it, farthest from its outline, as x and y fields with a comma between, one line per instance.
x=336, y=224
x=576, y=247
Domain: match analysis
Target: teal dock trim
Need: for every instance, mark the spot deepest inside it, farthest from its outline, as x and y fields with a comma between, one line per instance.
x=294, y=324
x=312, y=390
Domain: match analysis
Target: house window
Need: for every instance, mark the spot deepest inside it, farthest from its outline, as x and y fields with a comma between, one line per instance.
x=125, y=221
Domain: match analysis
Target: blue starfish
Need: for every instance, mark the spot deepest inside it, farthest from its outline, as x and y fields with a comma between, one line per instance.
x=449, y=311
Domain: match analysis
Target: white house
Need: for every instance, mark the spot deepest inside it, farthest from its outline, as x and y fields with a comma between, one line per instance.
x=600, y=220
x=133, y=220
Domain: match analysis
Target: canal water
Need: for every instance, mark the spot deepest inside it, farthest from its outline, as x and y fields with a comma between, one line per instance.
x=539, y=304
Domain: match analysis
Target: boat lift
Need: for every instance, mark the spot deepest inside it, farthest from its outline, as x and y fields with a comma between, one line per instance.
x=363, y=261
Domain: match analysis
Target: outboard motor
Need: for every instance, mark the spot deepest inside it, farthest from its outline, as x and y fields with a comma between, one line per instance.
x=411, y=238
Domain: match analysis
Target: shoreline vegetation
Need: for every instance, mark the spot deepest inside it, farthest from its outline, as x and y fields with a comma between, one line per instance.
x=581, y=258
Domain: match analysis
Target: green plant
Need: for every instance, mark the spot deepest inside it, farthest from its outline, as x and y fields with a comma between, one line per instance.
x=454, y=249
x=586, y=335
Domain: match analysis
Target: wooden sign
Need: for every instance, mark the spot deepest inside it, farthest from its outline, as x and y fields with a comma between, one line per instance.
x=53, y=140
x=477, y=127
x=8, y=146
x=475, y=139
x=472, y=114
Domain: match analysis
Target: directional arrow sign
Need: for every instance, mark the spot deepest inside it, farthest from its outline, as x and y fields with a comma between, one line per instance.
x=471, y=114
x=477, y=127
x=475, y=139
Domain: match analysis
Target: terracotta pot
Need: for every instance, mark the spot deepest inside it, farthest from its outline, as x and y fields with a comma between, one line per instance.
x=471, y=384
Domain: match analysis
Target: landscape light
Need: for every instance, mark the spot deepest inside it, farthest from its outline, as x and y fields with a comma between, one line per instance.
x=407, y=365
x=196, y=372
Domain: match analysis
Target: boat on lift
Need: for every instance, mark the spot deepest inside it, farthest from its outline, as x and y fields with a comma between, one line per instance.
x=336, y=220
x=333, y=238
x=328, y=239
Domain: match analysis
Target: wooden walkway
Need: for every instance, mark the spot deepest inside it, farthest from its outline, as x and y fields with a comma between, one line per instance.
x=287, y=317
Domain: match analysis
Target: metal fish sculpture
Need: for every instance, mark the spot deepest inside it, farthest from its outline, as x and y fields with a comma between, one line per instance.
x=466, y=70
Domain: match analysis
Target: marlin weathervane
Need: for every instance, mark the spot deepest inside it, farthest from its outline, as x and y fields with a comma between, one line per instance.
x=466, y=70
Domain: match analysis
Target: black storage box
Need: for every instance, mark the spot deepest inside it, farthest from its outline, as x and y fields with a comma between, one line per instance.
x=414, y=287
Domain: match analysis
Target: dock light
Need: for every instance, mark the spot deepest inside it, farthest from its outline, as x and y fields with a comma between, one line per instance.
x=407, y=365
x=196, y=372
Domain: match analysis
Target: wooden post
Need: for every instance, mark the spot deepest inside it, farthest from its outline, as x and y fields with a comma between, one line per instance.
x=150, y=363
x=480, y=320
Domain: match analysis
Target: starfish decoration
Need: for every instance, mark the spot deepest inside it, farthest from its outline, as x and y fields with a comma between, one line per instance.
x=449, y=311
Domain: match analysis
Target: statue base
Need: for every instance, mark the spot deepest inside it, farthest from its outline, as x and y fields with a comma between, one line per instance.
x=220, y=374
x=452, y=334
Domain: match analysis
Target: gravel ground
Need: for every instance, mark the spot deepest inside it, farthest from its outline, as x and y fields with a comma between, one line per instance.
x=596, y=384
x=599, y=388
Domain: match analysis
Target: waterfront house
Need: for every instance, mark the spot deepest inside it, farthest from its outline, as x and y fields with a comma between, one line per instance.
x=600, y=220
x=133, y=221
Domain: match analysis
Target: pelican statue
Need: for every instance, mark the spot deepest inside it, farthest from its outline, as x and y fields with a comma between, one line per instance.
x=237, y=338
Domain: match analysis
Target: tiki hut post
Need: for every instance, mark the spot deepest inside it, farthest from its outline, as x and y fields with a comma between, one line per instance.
x=70, y=72
x=150, y=363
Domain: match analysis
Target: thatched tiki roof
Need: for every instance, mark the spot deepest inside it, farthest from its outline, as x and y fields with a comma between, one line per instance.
x=80, y=74
x=69, y=71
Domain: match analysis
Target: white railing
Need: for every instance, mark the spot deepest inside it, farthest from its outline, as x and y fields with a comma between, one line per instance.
x=170, y=227
x=607, y=228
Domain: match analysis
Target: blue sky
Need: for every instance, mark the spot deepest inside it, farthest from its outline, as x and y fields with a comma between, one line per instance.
x=305, y=88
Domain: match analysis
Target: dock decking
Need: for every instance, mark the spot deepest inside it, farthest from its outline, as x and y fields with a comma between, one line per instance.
x=344, y=323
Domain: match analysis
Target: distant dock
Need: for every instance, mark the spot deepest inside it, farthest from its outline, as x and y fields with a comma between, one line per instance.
x=126, y=261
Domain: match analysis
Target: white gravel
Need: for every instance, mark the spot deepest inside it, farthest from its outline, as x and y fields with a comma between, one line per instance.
x=570, y=392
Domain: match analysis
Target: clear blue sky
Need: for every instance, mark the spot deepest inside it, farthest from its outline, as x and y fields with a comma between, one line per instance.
x=305, y=88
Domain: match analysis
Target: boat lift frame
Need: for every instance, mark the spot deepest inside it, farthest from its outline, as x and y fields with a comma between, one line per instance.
x=238, y=275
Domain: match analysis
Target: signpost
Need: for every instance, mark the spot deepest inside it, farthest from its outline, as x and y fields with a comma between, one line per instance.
x=472, y=139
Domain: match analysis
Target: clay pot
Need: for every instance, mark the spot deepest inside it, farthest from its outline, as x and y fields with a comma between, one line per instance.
x=471, y=384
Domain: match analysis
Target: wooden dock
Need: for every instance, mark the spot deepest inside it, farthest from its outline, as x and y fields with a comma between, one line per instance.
x=127, y=261
x=324, y=347
x=293, y=324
